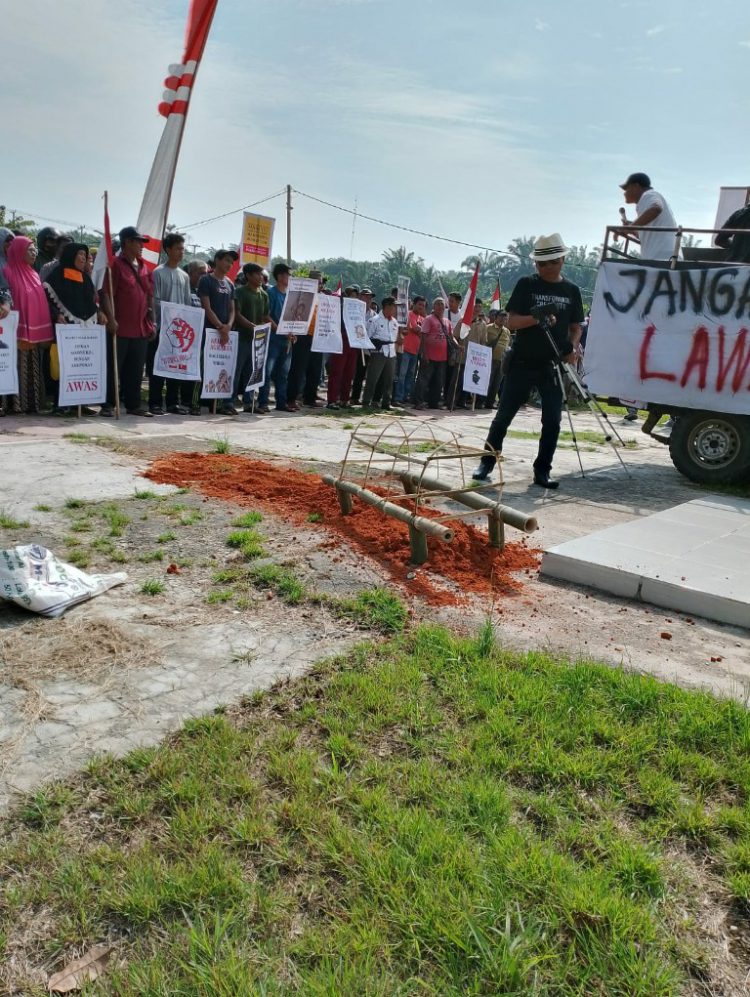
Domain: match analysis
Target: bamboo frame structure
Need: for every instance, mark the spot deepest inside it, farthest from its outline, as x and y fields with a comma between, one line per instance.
x=386, y=458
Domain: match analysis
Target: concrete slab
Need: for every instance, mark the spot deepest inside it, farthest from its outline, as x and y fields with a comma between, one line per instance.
x=692, y=558
x=50, y=471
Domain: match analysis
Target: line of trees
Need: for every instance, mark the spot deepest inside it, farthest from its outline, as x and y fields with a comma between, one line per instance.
x=381, y=275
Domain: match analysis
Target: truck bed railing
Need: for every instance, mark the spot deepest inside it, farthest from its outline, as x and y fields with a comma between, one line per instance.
x=711, y=255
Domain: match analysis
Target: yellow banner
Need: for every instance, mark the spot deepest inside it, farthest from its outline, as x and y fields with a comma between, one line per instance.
x=257, y=237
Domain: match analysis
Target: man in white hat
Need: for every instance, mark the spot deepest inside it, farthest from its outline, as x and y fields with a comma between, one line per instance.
x=545, y=311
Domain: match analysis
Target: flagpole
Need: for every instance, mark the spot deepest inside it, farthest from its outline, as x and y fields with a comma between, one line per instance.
x=115, y=363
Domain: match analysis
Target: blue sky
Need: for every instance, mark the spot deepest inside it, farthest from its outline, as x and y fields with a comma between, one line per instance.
x=480, y=121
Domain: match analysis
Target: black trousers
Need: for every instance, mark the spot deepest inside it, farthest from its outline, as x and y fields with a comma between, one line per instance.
x=304, y=372
x=519, y=381
x=359, y=376
x=131, y=361
x=430, y=382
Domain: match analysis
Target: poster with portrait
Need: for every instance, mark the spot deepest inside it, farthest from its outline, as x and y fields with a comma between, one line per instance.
x=261, y=340
x=355, y=323
x=178, y=354
x=327, y=335
x=9, y=354
x=402, y=301
x=477, y=369
x=299, y=305
x=82, y=355
x=219, y=363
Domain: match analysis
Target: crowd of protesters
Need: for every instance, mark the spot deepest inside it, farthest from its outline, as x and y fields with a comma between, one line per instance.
x=419, y=363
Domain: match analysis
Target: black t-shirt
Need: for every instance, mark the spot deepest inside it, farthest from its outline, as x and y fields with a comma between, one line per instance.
x=220, y=294
x=531, y=345
x=737, y=246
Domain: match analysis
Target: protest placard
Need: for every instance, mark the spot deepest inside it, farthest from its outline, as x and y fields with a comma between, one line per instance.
x=402, y=301
x=219, y=363
x=257, y=238
x=327, y=335
x=299, y=304
x=355, y=323
x=178, y=354
x=261, y=339
x=9, y=355
x=82, y=354
x=477, y=369
x=673, y=337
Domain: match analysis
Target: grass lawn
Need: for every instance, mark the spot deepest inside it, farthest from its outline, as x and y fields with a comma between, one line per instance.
x=430, y=816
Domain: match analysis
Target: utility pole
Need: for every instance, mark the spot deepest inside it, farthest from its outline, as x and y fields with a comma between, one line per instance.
x=354, y=225
x=289, y=224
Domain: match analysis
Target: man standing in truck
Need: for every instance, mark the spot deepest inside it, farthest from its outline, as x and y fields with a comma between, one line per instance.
x=651, y=210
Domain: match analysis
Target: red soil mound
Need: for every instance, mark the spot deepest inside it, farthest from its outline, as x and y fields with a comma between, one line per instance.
x=468, y=562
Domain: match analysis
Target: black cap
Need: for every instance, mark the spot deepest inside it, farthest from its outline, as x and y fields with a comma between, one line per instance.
x=131, y=232
x=222, y=253
x=642, y=179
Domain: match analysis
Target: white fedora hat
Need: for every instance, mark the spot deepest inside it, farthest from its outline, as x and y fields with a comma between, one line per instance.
x=548, y=247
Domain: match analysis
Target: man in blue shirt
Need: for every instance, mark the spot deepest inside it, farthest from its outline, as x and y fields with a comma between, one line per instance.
x=279, y=348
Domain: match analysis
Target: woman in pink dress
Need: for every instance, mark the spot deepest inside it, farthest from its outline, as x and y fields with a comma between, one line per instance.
x=35, y=333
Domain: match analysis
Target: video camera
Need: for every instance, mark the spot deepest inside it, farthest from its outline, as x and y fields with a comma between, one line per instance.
x=543, y=313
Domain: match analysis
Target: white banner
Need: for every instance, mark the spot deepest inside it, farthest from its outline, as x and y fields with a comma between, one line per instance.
x=327, y=335
x=219, y=363
x=9, y=354
x=299, y=306
x=261, y=340
x=355, y=323
x=178, y=354
x=402, y=301
x=674, y=337
x=477, y=369
x=82, y=352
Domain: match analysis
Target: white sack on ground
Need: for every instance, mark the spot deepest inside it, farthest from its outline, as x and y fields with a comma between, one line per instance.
x=32, y=577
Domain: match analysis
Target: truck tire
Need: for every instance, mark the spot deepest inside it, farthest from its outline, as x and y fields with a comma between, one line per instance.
x=711, y=448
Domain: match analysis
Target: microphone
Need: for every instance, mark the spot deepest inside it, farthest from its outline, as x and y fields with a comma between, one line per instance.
x=623, y=215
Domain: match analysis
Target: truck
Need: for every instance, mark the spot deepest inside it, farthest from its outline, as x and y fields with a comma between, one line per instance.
x=673, y=338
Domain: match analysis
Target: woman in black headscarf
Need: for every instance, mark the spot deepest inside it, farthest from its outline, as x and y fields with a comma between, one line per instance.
x=71, y=292
x=69, y=287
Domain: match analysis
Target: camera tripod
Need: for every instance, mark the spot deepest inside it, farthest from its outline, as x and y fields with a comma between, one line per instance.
x=563, y=370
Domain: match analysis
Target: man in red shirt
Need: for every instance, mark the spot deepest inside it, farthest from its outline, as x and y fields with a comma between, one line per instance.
x=130, y=321
x=411, y=345
x=437, y=339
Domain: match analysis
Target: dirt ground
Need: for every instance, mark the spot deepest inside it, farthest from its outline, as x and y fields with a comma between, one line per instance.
x=204, y=643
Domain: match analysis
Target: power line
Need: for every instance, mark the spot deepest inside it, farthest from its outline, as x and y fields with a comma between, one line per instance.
x=32, y=215
x=427, y=235
x=236, y=211
x=337, y=207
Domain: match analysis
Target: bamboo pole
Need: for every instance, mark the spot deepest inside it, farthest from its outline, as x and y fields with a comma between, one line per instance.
x=420, y=523
x=519, y=520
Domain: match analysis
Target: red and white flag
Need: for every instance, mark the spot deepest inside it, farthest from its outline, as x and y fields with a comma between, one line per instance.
x=104, y=255
x=463, y=326
x=496, y=303
x=174, y=107
x=339, y=289
x=443, y=292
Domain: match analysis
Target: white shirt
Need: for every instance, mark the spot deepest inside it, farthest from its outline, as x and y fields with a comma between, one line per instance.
x=453, y=318
x=386, y=330
x=656, y=245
